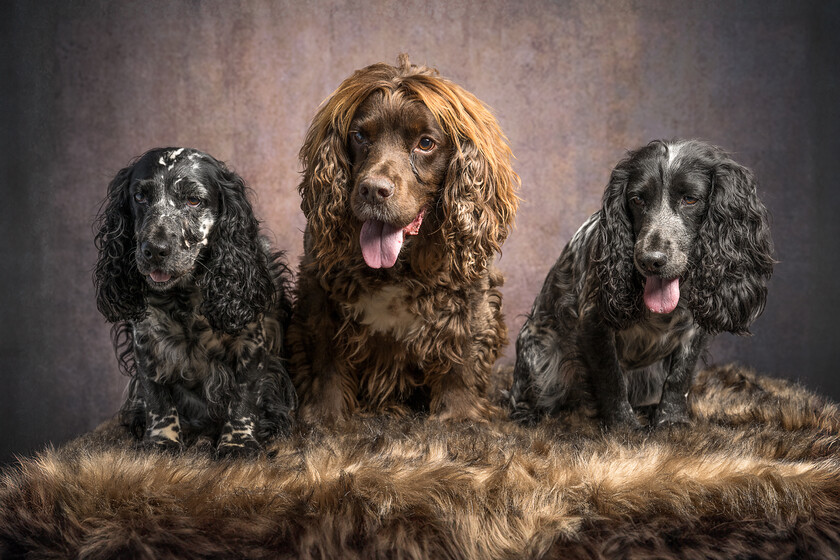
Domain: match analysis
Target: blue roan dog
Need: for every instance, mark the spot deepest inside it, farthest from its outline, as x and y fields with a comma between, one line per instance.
x=681, y=250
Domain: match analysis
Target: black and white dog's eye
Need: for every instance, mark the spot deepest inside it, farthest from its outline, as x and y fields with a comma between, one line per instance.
x=140, y=198
x=636, y=200
x=193, y=201
x=690, y=200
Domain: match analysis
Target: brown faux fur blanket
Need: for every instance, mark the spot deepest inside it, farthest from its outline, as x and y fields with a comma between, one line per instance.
x=757, y=476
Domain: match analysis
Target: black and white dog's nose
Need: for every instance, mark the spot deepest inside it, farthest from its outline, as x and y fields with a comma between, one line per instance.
x=653, y=261
x=154, y=251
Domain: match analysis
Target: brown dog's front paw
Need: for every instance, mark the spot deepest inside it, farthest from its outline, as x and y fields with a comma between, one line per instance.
x=466, y=407
x=321, y=415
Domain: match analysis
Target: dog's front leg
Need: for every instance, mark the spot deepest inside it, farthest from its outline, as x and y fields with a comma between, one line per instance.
x=323, y=378
x=163, y=426
x=457, y=381
x=239, y=432
x=597, y=346
x=673, y=406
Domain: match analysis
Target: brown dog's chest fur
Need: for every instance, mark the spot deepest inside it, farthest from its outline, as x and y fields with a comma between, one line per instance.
x=398, y=335
x=402, y=332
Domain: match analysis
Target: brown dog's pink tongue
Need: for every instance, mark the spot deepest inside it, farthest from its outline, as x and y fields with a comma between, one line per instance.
x=662, y=296
x=381, y=243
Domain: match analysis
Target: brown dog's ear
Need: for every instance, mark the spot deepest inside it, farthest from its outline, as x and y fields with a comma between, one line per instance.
x=479, y=199
x=479, y=204
x=324, y=192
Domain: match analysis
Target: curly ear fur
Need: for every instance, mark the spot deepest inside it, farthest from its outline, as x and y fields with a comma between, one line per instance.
x=237, y=284
x=325, y=194
x=732, y=259
x=478, y=201
x=618, y=290
x=120, y=291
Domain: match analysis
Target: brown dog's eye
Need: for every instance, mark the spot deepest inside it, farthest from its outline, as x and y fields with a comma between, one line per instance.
x=426, y=144
x=193, y=201
x=358, y=137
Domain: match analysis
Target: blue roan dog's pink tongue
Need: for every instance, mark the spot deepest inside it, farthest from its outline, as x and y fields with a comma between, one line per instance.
x=662, y=296
x=381, y=243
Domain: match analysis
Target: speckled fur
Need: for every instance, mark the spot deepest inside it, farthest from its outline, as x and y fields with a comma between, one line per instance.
x=199, y=303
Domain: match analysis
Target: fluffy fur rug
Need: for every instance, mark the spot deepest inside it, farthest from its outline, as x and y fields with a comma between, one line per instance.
x=757, y=476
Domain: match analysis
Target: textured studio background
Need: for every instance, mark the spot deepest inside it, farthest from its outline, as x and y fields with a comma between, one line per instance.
x=86, y=86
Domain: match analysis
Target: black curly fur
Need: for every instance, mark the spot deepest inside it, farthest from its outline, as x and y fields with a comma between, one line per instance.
x=733, y=254
x=120, y=292
x=672, y=209
x=198, y=301
x=619, y=287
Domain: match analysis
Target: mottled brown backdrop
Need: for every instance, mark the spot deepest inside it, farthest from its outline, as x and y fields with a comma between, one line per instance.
x=86, y=86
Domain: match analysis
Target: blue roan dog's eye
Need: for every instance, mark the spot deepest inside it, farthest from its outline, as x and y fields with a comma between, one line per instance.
x=193, y=201
x=140, y=198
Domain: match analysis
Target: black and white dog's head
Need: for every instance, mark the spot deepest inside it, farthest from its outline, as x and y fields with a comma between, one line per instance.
x=174, y=218
x=174, y=204
x=682, y=214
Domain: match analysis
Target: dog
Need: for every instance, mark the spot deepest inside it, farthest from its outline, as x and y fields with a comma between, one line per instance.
x=199, y=304
x=408, y=192
x=680, y=251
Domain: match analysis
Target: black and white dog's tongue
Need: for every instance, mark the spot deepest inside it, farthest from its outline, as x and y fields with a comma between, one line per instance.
x=380, y=243
x=159, y=276
x=662, y=296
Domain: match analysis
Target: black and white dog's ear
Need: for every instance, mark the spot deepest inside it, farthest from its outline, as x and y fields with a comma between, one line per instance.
x=617, y=289
x=238, y=283
x=734, y=253
x=120, y=291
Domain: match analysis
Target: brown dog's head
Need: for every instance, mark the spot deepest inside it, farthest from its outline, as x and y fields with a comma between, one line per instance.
x=396, y=152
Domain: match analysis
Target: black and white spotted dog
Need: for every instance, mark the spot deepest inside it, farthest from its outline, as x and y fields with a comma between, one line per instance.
x=199, y=304
x=680, y=251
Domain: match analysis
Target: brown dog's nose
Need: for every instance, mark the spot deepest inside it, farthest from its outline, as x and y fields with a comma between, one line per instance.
x=376, y=190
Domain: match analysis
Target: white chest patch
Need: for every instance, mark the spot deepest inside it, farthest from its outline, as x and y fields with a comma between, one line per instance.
x=386, y=311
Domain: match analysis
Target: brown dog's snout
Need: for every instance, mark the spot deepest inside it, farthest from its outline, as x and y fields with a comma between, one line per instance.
x=376, y=189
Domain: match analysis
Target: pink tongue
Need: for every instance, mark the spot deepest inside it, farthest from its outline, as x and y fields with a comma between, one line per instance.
x=158, y=276
x=662, y=296
x=381, y=243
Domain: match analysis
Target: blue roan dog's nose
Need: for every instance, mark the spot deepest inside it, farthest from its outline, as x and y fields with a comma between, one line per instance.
x=653, y=261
